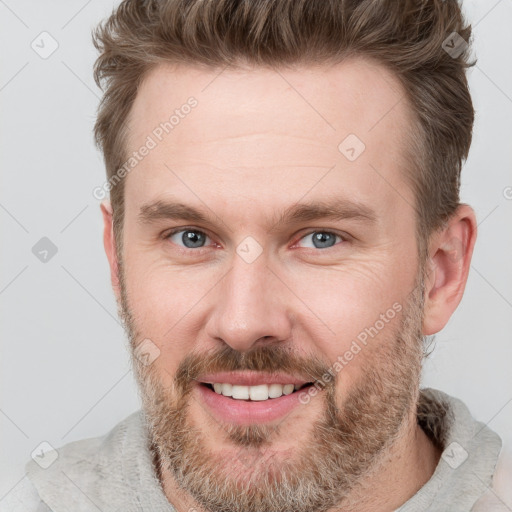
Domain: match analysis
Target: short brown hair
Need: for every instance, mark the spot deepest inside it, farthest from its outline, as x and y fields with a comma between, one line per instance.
x=406, y=36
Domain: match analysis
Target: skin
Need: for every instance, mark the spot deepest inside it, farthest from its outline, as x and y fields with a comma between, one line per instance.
x=253, y=146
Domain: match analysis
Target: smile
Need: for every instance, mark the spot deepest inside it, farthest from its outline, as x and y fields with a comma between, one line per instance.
x=250, y=397
x=255, y=393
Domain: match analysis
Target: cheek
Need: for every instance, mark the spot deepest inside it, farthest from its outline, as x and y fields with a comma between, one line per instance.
x=351, y=306
x=166, y=304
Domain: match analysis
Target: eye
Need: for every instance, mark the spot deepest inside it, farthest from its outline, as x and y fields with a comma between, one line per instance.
x=188, y=238
x=321, y=239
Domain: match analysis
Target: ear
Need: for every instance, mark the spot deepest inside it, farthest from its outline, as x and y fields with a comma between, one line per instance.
x=450, y=252
x=110, y=245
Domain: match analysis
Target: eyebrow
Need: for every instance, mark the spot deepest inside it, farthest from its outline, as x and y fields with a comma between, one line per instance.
x=163, y=210
x=338, y=209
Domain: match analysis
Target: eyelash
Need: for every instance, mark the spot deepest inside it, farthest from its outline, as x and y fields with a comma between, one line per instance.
x=344, y=238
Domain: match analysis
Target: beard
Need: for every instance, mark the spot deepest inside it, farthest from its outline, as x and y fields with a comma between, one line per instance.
x=346, y=443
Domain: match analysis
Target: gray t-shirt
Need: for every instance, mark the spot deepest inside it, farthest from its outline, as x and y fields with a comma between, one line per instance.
x=115, y=472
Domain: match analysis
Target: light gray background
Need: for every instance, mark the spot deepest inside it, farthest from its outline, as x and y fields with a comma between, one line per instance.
x=64, y=365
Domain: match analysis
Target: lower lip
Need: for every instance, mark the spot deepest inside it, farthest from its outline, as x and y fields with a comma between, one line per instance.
x=243, y=412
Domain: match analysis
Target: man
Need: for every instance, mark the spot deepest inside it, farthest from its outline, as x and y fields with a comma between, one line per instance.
x=283, y=231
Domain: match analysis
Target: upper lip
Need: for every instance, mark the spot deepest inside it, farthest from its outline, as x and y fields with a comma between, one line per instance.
x=251, y=378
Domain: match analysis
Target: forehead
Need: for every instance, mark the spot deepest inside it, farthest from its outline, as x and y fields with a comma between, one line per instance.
x=257, y=130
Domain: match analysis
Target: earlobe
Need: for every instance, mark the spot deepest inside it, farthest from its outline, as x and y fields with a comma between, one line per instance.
x=110, y=245
x=451, y=251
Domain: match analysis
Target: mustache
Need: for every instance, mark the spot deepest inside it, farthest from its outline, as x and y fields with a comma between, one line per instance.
x=263, y=358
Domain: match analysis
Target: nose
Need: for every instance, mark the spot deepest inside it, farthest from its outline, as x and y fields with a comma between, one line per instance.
x=250, y=306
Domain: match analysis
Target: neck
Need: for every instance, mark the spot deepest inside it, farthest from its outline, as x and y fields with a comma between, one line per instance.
x=406, y=467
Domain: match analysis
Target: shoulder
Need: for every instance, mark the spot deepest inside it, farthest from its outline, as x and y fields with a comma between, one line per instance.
x=68, y=477
x=498, y=498
x=23, y=498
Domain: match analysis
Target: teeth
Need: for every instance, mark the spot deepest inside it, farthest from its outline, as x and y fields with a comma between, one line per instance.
x=240, y=392
x=287, y=389
x=275, y=390
x=260, y=392
x=227, y=389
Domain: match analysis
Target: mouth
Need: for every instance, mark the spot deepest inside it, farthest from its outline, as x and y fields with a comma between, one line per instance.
x=258, y=393
x=249, y=398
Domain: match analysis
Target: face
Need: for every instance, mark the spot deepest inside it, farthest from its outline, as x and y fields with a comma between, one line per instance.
x=265, y=253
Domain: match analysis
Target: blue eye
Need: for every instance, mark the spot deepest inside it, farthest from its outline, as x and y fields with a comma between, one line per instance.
x=188, y=238
x=322, y=239
x=196, y=239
